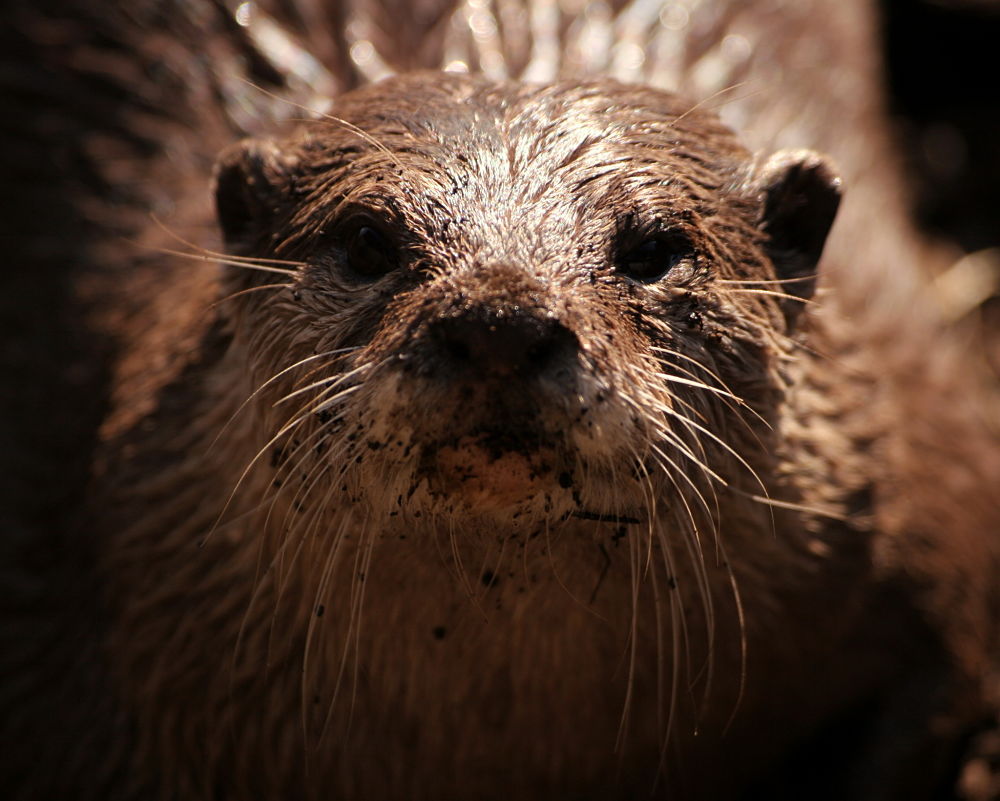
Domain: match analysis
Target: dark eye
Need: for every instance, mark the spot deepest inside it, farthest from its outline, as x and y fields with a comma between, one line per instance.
x=369, y=252
x=653, y=258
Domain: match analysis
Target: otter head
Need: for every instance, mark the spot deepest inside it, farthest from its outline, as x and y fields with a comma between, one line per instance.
x=518, y=303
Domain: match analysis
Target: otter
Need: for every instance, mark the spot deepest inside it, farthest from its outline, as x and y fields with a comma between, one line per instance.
x=522, y=446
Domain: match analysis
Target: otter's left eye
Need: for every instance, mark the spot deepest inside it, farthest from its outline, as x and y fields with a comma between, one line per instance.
x=654, y=258
x=370, y=253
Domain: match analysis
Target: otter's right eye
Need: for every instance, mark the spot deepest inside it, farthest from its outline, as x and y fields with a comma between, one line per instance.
x=370, y=253
x=655, y=258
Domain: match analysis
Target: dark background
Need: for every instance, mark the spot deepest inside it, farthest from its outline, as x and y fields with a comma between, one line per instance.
x=943, y=61
x=943, y=76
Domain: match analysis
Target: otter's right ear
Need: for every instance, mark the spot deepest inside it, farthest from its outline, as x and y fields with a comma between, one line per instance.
x=249, y=178
x=800, y=194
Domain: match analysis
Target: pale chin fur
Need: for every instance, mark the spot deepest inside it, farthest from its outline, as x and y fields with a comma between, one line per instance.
x=406, y=475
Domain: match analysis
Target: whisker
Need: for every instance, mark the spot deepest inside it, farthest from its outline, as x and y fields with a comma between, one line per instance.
x=216, y=253
x=827, y=512
x=285, y=429
x=227, y=260
x=741, y=621
x=799, y=279
x=674, y=379
x=328, y=383
x=719, y=441
x=713, y=375
x=774, y=294
x=270, y=381
x=216, y=304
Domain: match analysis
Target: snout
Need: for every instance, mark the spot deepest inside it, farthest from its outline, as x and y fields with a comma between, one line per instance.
x=501, y=343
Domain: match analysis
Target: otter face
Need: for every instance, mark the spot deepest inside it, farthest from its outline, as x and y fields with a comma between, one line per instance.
x=521, y=303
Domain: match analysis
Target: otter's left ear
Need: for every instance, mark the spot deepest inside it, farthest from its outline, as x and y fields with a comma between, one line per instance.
x=800, y=190
x=250, y=178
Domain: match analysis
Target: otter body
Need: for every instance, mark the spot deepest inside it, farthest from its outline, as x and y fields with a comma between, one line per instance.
x=514, y=453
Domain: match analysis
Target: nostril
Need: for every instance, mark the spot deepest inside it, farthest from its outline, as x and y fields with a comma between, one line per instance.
x=456, y=348
x=541, y=353
x=458, y=338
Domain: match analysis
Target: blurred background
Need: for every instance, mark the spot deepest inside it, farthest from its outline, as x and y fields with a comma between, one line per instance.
x=943, y=59
x=943, y=64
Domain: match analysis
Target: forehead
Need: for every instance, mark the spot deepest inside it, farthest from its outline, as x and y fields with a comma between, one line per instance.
x=509, y=165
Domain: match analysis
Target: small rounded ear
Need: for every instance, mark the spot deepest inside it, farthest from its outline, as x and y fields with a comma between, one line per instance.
x=800, y=190
x=249, y=177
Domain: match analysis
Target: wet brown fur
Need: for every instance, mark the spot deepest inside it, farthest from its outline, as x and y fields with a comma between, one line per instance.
x=297, y=601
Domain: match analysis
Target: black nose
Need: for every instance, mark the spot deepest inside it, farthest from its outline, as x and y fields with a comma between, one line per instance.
x=498, y=344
